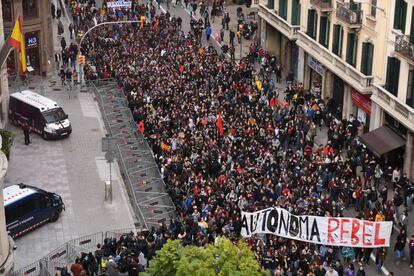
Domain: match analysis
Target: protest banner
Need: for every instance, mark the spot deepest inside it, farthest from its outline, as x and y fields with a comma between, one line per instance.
x=336, y=231
x=119, y=4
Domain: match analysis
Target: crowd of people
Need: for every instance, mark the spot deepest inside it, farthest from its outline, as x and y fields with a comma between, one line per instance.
x=226, y=141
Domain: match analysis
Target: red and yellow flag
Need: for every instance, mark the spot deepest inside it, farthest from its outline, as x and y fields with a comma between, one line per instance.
x=16, y=41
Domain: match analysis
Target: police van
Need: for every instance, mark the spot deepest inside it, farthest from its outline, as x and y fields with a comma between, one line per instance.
x=43, y=115
x=28, y=207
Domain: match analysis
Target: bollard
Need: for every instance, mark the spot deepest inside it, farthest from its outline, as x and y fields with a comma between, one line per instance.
x=108, y=191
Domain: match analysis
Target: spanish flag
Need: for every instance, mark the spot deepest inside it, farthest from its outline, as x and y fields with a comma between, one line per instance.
x=16, y=40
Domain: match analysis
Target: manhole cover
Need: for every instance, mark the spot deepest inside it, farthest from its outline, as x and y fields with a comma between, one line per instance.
x=32, y=87
x=95, y=129
x=57, y=89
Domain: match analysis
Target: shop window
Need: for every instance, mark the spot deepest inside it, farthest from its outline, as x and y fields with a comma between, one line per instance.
x=30, y=9
x=410, y=89
x=400, y=15
x=373, y=8
x=271, y=4
x=324, y=31
x=312, y=23
x=295, y=12
x=338, y=36
x=7, y=10
x=367, y=58
x=283, y=9
x=351, y=51
x=393, y=75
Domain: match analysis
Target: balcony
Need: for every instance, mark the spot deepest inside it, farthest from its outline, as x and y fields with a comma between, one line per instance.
x=335, y=64
x=322, y=5
x=277, y=22
x=394, y=106
x=404, y=47
x=353, y=18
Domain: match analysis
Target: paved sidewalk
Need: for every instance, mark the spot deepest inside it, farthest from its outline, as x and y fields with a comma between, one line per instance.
x=73, y=167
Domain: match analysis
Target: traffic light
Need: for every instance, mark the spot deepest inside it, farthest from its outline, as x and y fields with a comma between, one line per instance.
x=81, y=59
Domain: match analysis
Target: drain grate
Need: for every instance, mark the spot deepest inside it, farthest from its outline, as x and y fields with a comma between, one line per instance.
x=57, y=89
x=95, y=129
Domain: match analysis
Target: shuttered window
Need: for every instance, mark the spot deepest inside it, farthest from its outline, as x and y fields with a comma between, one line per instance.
x=295, y=12
x=312, y=23
x=338, y=35
x=367, y=58
x=393, y=75
x=351, y=51
x=400, y=15
x=271, y=4
x=324, y=31
x=412, y=28
x=283, y=9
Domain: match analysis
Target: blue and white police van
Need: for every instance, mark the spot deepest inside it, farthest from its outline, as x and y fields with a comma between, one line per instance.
x=43, y=115
x=28, y=207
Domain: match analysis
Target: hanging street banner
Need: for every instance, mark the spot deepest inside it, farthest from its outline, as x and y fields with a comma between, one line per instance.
x=350, y=232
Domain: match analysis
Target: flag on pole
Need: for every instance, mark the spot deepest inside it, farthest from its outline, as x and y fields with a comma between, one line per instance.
x=16, y=40
x=219, y=124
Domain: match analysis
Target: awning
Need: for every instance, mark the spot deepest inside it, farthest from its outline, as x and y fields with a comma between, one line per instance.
x=382, y=140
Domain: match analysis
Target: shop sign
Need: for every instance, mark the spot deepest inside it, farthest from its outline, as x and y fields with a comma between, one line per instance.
x=316, y=66
x=119, y=4
x=31, y=40
x=360, y=101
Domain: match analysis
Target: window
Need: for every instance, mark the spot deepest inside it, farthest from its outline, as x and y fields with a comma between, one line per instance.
x=19, y=210
x=271, y=4
x=393, y=75
x=295, y=12
x=312, y=23
x=351, y=51
x=410, y=89
x=30, y=9
x=283, y=9
x=400, y=15
x=373, y=8
x=367, y=58
x=338, y=36
x=324, y=31
x=7, y=10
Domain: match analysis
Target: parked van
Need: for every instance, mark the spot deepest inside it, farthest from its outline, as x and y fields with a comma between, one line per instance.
x=44, y=115
x=28, y=207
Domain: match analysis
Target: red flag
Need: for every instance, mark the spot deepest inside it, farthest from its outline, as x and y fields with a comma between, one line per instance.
x=219, y=124
x=141, y=127
x=155, y=26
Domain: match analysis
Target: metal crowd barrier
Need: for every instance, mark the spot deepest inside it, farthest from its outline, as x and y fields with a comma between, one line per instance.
x=148, y=193
x=66, y=254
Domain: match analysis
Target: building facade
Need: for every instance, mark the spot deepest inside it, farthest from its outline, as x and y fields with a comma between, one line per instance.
x=358, y=53
x=37, y=29
x=4, y=89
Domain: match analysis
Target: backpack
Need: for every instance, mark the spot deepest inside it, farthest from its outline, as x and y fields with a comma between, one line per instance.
x=104, y=263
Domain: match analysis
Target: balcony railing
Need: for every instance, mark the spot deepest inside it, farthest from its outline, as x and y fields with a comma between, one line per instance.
x=404, y=47
x=394, y=106
x=351, y=17
x=356, y=79
x=272, y=18
x=323, y=5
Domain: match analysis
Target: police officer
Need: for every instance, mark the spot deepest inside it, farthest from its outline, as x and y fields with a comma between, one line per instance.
x=26, y=132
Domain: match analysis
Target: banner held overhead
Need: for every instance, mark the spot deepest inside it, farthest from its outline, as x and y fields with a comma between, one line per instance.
x=336, y=231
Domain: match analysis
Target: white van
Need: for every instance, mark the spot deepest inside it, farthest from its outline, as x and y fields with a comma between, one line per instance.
x=44, y=115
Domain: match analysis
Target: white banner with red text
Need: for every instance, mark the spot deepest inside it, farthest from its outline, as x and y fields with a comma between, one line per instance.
x=336, y=231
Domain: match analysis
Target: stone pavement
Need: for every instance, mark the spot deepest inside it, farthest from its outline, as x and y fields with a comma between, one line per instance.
x=73, y=167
